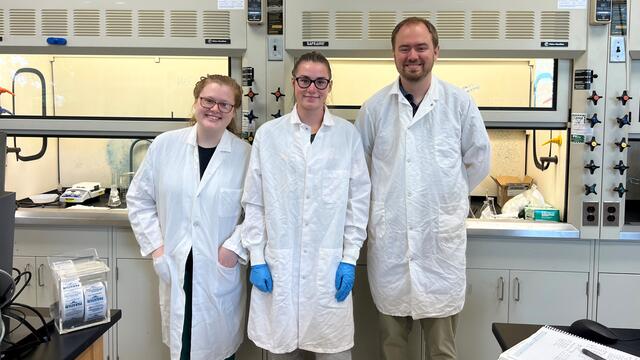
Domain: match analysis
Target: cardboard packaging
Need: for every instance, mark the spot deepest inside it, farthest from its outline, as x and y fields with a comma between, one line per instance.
x=542, y=213
x=510, y=186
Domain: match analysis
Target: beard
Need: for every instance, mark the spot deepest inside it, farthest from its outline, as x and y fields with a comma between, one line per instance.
x=415, y=75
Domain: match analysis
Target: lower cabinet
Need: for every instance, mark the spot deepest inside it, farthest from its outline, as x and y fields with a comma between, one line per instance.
x=618, y=287
x=516, y=296
x=138, y=332
x=487, y=302
x=618, y=304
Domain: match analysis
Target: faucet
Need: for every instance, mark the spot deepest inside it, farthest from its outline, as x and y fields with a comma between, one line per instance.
x=133, y=144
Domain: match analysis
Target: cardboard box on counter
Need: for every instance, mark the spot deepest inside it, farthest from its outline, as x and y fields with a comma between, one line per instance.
x=542, y=213
x=510, y=186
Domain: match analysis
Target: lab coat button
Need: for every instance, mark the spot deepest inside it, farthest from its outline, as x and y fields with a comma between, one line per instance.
x=196, y=224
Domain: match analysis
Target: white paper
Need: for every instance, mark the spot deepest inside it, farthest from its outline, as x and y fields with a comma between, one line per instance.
x=71, y=301
x=230, y=4
x=572, y=4
x=552, y=344
x=95, y=299
x=579, y=125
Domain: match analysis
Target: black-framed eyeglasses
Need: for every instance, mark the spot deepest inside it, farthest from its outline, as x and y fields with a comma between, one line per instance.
x=320, y=83
x=209, y=103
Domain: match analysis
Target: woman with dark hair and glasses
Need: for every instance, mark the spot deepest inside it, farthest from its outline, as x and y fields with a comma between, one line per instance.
x=184, y=205
x=306, y=200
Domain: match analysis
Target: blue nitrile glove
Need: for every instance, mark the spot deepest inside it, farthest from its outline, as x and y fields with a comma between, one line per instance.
x=345, y=277
x=260, y=277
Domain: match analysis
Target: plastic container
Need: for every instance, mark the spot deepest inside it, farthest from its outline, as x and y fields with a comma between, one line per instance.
x=80, y=291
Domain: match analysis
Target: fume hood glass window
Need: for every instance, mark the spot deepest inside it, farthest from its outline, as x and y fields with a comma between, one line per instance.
x=113, y=86
x=493, y=83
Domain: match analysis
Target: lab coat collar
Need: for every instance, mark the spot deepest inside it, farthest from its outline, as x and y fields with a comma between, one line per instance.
x=427, y=103
x=432, y=94
x=224, y=144
x=327, y=119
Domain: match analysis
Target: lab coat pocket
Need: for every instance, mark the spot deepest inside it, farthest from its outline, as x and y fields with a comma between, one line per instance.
x=229, y=202
x=328, y=261
x=452, y=230
x=161, y=266
x=448, y=153
x=228, y=279
x=335, y=185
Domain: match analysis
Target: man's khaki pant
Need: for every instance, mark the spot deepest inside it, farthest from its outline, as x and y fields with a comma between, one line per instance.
x=439, y=335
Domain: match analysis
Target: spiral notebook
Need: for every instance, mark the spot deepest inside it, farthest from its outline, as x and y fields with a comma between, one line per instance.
x=549, y=343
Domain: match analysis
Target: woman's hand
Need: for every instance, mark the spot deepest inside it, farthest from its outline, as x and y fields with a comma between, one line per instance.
x=158, y=252
x=227, y=258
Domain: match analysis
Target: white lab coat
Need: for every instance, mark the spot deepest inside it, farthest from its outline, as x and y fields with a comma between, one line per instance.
x=170, y=205
x=422, y=170
x=306, y=211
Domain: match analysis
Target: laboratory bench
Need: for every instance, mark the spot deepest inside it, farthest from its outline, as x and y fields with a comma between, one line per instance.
x=517, y=272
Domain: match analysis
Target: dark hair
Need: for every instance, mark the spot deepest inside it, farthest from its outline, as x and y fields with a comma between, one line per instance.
x=221, y=80
x=313, y=56
x=415, y=21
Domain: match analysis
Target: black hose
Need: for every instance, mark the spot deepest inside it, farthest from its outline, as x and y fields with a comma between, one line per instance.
x=43, y=147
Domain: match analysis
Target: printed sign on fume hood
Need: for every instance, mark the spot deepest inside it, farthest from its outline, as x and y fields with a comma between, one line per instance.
x=230, y=4
x=580, y=128
x=572, y=4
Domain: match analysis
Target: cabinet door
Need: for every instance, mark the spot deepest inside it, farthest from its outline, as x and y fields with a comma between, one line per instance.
x=487, y=301
x=618, y=304
x=547, y=297
x=28, y=295
x=139, y=334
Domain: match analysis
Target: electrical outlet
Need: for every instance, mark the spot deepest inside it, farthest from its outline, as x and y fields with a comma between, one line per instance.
x=610, y=213
x=275, y=47
x=618, y=52
x=590, y=214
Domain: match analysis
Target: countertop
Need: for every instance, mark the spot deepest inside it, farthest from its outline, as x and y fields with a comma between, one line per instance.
x=68, y=346
x=88, y=216
x=630, y=232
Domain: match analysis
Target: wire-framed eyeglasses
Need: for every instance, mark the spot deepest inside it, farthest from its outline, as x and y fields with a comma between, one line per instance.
x=320, y=83
x=209, y=103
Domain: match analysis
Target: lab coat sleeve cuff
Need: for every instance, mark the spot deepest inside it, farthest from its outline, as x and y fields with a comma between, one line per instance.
x=234, y=244
x=257, y=255
x=149, y=247
x=350, y=256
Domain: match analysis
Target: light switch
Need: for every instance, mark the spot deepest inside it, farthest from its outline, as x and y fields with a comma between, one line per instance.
x=276, y=46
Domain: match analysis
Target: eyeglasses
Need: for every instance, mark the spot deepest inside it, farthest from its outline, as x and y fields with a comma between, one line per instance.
x=320, y=83
x=209, y=103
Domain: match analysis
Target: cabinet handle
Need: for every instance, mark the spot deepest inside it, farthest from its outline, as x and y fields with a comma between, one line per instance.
x=27, y=268
x=516, y=296
x=40, y=280
x=501, y=288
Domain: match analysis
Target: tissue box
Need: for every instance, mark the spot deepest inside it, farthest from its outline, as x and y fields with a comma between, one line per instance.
x=510, y=186
x=542, y=213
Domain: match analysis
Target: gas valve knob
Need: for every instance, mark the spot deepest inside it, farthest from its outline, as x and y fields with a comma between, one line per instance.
x=277, y=115
x=621, y=167
x=251, y=94
x=620, y=190
x=592, y=167
x=625, y=120
x=593, y=143
x=250, y=116
x=623, y=144
x=624, y=97
x=590, y=189
x=594, y=97
x=278, y=94
x=594, y=120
